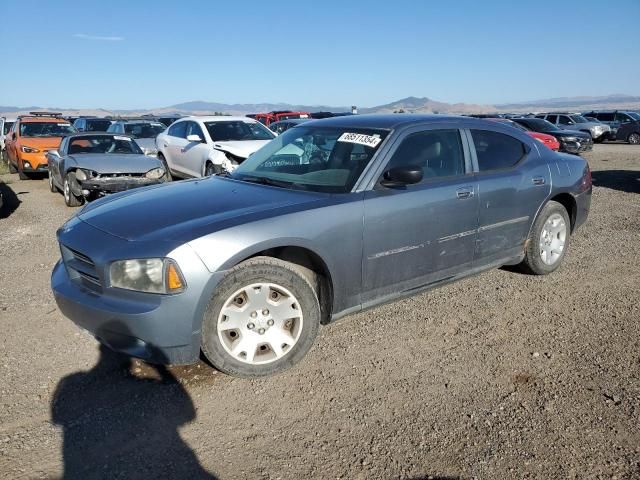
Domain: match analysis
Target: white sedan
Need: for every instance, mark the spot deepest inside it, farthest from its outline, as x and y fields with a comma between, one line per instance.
x=203, y=146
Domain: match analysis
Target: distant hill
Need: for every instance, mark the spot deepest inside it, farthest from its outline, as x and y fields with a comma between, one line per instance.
x=408, y=104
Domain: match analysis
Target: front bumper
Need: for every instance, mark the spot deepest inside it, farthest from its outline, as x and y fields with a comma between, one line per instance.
x=156, y=328
x=38, y=162
x=104, y=186
x=582, y=145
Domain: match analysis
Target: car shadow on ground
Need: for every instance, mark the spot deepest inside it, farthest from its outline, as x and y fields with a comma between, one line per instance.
x=9, y=201
x=623, y=180
x=118, y=425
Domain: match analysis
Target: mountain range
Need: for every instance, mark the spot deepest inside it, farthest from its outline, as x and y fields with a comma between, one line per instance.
x=409, y=105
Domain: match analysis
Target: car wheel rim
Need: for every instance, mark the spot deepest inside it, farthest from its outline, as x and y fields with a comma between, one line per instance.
x=260, y=323
x=552, y=239
x=634, y=138
x=66, y=191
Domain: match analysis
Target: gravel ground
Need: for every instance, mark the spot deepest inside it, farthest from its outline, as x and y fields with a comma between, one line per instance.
x=502, y=375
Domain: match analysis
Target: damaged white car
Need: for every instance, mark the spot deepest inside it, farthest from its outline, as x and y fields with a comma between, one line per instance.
x=203, y=146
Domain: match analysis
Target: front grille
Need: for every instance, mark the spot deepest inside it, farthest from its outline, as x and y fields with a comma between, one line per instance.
x=119, y=175
x=81, y=268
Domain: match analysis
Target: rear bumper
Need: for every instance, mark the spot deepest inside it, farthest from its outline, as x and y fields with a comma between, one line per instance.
x=583, y=204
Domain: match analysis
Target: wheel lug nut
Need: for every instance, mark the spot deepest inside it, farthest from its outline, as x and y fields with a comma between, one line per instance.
x=265, y=312
x=254, y=314
x=261, y=331
x=250, y=326
x=270, y=322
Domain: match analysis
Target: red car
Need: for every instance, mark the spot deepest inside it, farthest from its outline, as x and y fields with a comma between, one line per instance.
x=547, y=140
x=276, y=116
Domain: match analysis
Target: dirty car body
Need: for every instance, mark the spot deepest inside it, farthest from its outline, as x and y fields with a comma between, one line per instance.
x=371, y=238
x=102, y=163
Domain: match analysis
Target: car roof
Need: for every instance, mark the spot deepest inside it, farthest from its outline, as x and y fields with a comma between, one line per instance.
x=217, y=118
x=388, y=121
x=97, y=134
x=294, y=120
x=137, y=121
x=28, y=119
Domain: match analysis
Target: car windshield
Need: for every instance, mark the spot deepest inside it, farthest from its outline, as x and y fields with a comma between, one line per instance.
x=539, y=125
x=634, y=115
x=98, y=125
x=45, y=129
x=579, y=119
x=103, y=144
x=320, y=159
x=144, y=130
x=233, y=130
x=7, y=127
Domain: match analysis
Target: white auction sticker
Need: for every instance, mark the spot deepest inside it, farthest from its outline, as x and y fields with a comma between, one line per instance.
x=63, y=124
x=361, y=139
x=117, y=137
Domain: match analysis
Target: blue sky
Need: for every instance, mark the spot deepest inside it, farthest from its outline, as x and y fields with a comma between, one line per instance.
x=142, y=54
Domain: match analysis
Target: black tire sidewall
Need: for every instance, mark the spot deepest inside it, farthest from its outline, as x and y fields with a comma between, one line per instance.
x=533, y=261
x=257, y=271
x=631, y=136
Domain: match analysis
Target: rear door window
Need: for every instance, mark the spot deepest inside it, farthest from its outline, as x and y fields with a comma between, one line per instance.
x=565, y=120
x=552, y=118
x=438, y=152
x=497, y=151
x=623, y=118
x=605, y=117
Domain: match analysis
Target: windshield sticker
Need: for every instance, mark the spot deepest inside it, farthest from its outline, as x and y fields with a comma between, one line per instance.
x=62, y=124
x=361, y=139
x=117, y=137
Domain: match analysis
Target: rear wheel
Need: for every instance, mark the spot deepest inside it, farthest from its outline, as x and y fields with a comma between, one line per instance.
x=634, y=138
x=262, y=319
x=548, y=241
x=69, y=198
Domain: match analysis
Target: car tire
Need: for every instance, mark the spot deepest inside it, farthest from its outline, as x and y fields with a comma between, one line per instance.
x=21, y=174
x=69, y=198
x=52, y=186
x=12, y=168
x=241, y=337
x=165, y=165
x=548, y=241
x=634, y=138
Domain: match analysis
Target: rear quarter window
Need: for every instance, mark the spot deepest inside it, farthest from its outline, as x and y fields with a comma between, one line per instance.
x=497, y=151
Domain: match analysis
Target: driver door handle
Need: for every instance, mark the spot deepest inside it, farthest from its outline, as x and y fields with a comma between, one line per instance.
x=466, y=192
x=538, y=180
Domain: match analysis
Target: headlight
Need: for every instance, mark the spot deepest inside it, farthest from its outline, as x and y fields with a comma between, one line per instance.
x=150, y=275
x=26, y=149
x=155, y=174
x=81, y=175
x=27, y=165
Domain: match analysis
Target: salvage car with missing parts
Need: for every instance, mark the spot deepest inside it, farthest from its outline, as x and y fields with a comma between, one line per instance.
x=87, y=166
x=331, y=217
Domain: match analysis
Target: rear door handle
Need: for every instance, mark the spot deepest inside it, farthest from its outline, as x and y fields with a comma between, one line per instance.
x=462, y=193
x=538, y=180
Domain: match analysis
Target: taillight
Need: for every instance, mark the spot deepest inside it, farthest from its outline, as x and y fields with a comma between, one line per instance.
x=586, y=179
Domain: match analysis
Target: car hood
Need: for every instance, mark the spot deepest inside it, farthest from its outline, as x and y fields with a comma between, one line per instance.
x=241, y=148
x=569, y=133
x=114, y=163
x=184, y=211
x=41, y=143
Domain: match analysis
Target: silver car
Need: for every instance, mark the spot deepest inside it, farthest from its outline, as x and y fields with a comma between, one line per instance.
x=329, y=218
x=144, y=132
x=574, y=121
x=87, y=166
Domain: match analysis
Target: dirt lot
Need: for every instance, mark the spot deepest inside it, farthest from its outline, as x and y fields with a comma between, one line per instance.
x=502, y=375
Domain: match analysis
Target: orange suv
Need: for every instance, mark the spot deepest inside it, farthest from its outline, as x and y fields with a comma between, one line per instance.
x=29, y=139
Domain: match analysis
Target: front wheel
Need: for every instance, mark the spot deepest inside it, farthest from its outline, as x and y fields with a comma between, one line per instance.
x=634, y=138
x=52, y=186
x=69, y=198
x=548, y=241
x=262, y=319
x=165, y=165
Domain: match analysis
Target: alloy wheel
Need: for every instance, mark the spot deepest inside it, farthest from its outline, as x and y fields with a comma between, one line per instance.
x=634, y=138
x=552, y=239
x=260, y=323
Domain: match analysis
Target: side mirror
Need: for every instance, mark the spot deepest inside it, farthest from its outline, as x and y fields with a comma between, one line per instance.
x=194, y=138
x=401, y=176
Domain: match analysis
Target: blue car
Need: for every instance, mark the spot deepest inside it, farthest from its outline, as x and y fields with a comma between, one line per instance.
x=332, y=217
